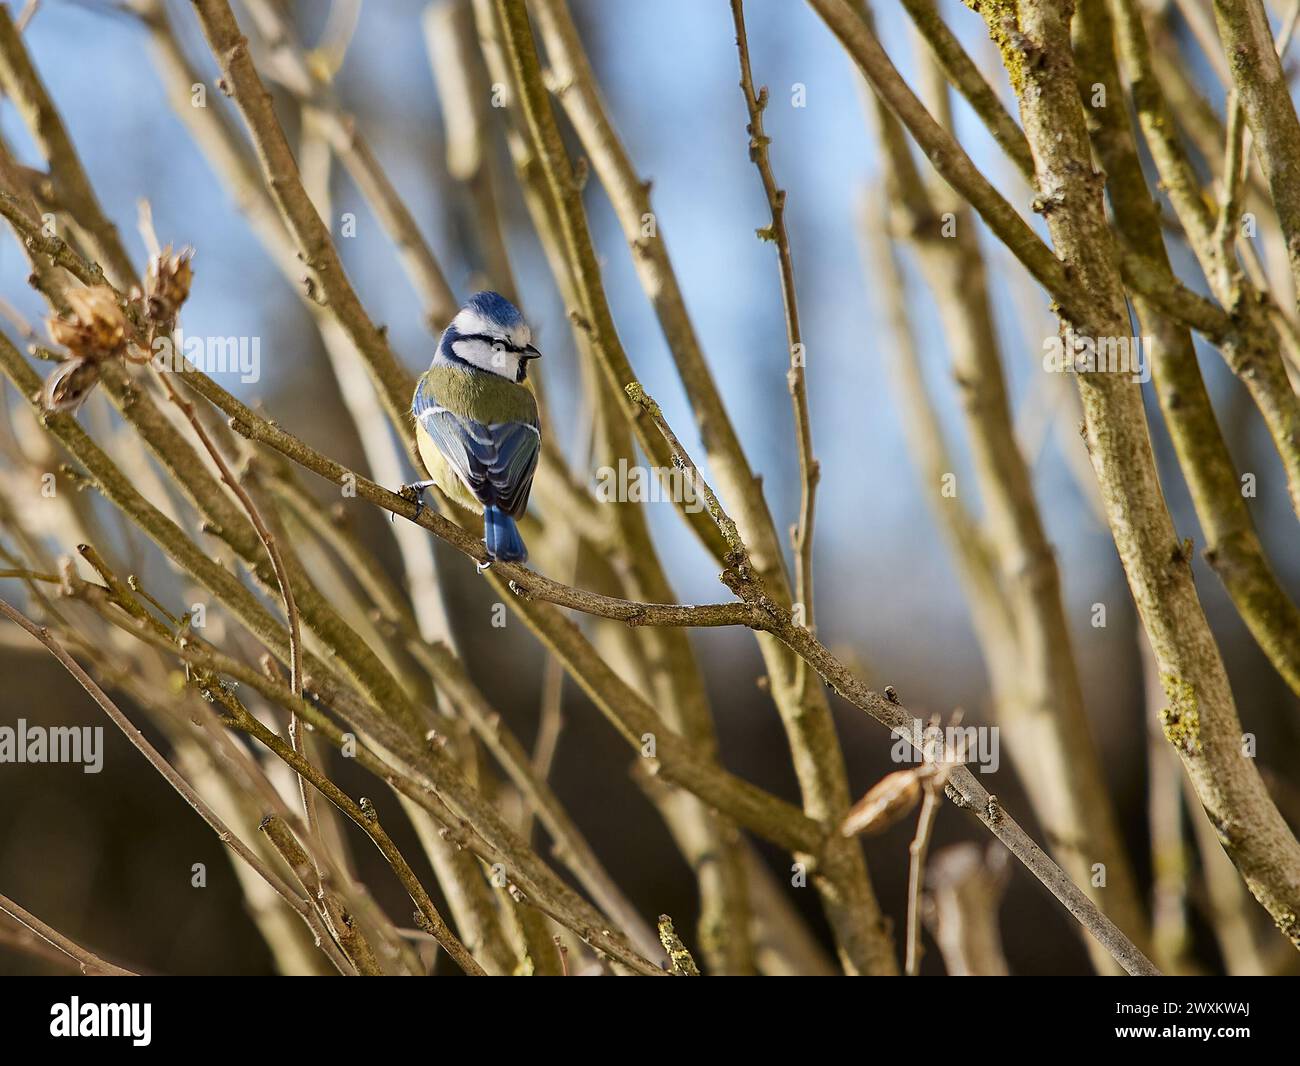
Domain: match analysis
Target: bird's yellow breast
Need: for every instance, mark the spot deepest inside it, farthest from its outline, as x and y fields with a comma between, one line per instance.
x=442, y=473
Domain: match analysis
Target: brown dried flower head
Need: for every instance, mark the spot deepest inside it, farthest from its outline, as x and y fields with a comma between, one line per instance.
x=94, y=328
x=170, y=276
x=887, y=801
x=70, y=384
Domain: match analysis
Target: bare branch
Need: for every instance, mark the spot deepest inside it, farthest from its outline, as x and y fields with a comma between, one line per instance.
x=177, y=782
x=775, y=231
x=88, y=962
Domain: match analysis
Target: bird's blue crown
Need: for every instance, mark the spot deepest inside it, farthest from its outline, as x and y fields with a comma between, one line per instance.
x=495, y=308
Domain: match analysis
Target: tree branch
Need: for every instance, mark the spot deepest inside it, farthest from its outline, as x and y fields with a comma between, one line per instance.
x=775, y=231
x=178, y=783
x=88, y=962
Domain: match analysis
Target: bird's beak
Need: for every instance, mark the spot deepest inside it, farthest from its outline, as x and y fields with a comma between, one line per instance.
x=531, y=353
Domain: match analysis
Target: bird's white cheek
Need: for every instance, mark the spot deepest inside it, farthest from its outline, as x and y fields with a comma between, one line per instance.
x=490, y=357
x=479, y=353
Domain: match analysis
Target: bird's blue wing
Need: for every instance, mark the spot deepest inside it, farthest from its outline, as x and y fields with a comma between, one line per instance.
x=495, y=461
x=516, y=448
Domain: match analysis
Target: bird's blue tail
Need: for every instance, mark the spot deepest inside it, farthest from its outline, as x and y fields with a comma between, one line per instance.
x=502, y=536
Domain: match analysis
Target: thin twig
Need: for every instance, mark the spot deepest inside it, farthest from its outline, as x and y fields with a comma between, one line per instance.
x=90, y=963
x=950, y=159
x=264, y=534
x=1263, y=93
x=966, y=78
x=965, y=790
x=280, y=171
x=933, y=774
x=1038, y=695
x=291, y=69
x=1251, y=348
x=364, y=817
x=401, y=774
x=931, y=801
x=775, y=231
x=227, y=837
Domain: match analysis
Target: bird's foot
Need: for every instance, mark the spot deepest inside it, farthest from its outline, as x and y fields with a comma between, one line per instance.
x=480, y=567
x=414, y=491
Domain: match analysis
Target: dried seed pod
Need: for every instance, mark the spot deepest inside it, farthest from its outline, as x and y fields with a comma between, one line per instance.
x=95, y=327
x=70, y=384
x=888, y=800
x=169, y=283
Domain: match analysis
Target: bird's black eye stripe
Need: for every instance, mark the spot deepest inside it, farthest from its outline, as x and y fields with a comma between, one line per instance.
x=493, y=341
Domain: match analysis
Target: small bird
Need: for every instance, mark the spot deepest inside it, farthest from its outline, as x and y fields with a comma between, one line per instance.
x=476, y=421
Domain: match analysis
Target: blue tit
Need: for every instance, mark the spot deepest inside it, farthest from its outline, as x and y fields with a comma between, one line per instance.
x=476, y=421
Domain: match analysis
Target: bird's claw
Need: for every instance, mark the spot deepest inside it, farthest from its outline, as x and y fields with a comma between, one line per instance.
x=414, y=491
x=480, y=567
